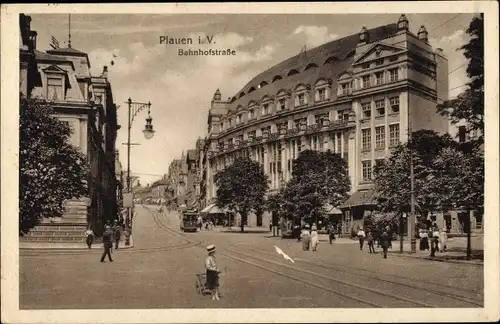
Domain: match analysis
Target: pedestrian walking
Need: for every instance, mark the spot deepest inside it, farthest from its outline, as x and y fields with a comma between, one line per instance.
x=314, y=238
x=199, y=223
x=213, y=271
x=442, y=240
x=435, y=238
x=331, y=232
x=370, y=240
x=271, y=226
x=107, y=239
x=385, y=242
x=90, y=237
x=117, y=234
x=305, y=236
x=361, y=236
x=424, y=240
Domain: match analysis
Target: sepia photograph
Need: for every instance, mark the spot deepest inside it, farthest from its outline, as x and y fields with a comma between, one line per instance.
x=213, y=161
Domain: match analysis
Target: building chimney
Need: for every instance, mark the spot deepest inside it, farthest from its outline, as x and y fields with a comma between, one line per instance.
x=423, y=35
x=364, y=37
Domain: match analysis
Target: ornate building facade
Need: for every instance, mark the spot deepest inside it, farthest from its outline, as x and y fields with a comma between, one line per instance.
x=357, y=96
x=61, y=77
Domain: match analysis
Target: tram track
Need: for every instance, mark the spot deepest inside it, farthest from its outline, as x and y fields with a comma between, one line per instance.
x=325, y=282
x=473, y=298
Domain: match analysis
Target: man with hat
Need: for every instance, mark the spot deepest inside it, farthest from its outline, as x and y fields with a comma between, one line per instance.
x=212, y=272
x=107, y=240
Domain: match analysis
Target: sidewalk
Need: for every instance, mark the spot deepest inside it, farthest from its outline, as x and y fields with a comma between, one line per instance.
x=71, y=246
x=456, y=252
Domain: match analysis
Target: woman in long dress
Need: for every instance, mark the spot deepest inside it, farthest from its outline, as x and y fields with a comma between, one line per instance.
x=424, y=240
x=306, y=238
x=314, y=238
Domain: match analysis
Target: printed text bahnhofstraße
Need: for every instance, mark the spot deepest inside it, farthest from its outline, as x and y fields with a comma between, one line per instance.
x=208, y=52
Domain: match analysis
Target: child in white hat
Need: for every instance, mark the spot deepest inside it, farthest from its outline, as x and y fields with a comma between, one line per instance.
x=212, y=272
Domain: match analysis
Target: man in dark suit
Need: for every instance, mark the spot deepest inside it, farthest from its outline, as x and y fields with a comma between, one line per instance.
x=107, y=239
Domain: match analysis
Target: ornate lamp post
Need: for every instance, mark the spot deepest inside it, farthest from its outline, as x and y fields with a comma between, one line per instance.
x=135, y=108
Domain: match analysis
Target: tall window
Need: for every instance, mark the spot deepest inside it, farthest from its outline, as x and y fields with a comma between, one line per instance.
x=461, y=134
x=366, y=81
x=250, y=114
x=282, y=104
x=294, y=152
x=252, y=134
x=55, y=89
x=394, y=101
x=238, y=119
x=346, y=144
x=393, y=75
x=380, y=137
x=265, y=109
x=343, y=114
x=299, y=146
x=367, y=109
x=393, y=134
x=339, y=143
x=380, y=77
x=314, y=142
x=380, y=106
x=367, y=170
x=366, y=139
x=296, y=123
x=317, y=119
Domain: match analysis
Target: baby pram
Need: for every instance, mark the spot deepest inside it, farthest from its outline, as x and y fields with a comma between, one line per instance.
x=201, y=280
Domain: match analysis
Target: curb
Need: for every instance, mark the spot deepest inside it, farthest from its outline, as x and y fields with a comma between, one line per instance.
x=405, y=255
x=69, y=246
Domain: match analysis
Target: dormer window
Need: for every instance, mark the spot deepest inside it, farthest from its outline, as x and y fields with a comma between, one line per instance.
x=379, y=77
x=393, y=75
x=345, y=88
x=55, y=88
x=300, y=99
x=265, y=109
x=282, y=104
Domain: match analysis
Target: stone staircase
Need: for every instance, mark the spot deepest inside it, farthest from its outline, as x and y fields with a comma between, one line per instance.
x=70, y=228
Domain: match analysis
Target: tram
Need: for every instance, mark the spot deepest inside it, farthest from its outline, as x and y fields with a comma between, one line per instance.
x=189, y=222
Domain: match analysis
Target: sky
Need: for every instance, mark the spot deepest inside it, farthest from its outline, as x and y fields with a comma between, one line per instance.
x=180, y=88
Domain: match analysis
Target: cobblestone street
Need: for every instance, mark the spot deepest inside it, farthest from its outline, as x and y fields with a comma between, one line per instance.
x=159, y=272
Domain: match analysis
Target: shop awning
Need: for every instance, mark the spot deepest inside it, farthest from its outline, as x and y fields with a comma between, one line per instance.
x=331, y=210
x=213, y=209
x=361, y=198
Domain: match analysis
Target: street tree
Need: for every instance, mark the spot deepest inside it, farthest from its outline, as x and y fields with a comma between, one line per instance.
x=50, y=169
x=392, y=175
x=317, y=178
x=241, y=187
x=459, y=183
x=469, y=105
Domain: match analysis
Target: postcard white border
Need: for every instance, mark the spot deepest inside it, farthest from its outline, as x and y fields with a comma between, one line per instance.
x=9, y=172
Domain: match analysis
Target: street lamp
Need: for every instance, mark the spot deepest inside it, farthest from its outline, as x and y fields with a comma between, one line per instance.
x=135, y=108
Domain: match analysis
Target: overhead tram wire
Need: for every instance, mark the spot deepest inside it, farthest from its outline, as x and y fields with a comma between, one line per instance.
x=445, y=22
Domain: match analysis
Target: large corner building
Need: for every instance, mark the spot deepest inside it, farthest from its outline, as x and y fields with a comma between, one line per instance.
x=358, y=96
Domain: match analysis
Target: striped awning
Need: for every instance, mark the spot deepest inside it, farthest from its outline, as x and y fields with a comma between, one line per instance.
x=213, y=209
x=361, y=198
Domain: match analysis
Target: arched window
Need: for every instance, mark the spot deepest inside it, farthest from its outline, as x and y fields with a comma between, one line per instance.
x=276, y=78
x=292, y=72
x=233, y=99
x=251, y=89
x=310, y=66
x=241, y=94
x=263, y=84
